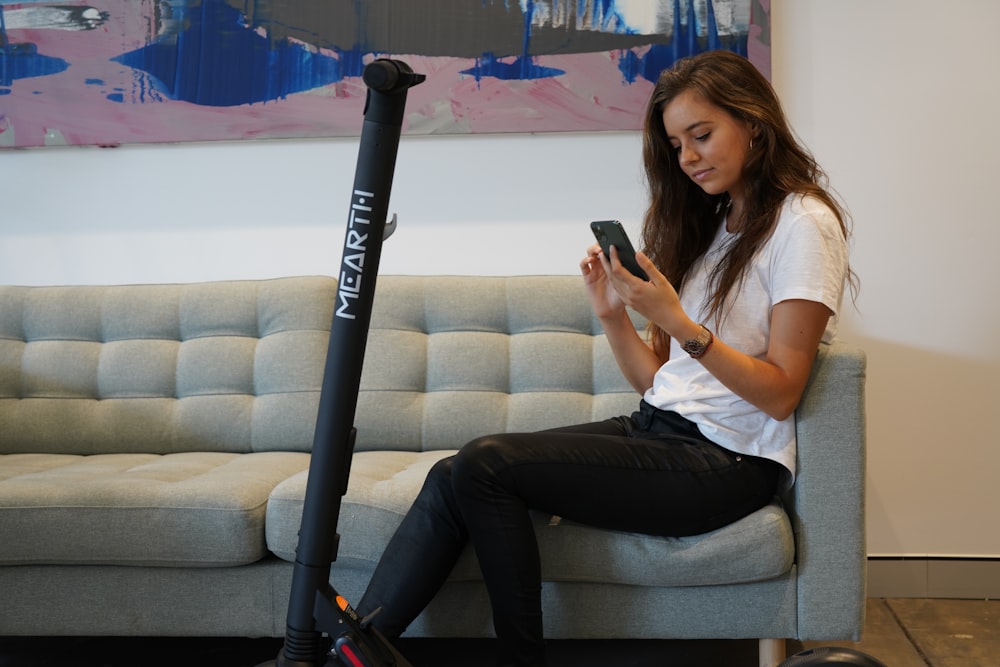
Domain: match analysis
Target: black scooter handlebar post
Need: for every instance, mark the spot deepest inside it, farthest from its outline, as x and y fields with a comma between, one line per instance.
x=390, y=77
x=333, y=443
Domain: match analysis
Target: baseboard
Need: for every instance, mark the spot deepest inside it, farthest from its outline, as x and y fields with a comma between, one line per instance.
x=912, y=577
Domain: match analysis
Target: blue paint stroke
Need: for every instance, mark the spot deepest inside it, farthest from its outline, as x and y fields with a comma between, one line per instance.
x=522, y=68
x=217, y=60
x=685, y=42
x=117, y=96
x=606, y=14
x=23, y=61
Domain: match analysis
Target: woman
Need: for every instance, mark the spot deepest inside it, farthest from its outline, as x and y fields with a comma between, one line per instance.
x=746, y=257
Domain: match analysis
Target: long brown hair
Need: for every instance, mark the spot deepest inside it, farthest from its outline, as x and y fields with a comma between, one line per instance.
x=682, y=219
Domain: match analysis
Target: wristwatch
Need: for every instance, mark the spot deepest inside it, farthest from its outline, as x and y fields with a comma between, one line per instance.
x=698, y=346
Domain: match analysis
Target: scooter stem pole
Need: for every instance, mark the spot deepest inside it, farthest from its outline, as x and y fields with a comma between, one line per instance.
x=388, y=82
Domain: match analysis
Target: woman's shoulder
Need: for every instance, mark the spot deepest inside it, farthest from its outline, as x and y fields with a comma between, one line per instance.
x=805, y=212
x=807, y=205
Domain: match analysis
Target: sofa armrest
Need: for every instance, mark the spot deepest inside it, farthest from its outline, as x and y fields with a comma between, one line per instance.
x=827, y=502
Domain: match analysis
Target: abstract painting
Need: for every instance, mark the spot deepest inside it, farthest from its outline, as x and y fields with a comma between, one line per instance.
x=109, y=72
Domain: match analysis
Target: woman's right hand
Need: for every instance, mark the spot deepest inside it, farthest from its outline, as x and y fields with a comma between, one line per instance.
x=635, y=358
x=604, y=298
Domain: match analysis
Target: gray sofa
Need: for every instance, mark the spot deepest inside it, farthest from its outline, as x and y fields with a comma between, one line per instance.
x=154, y=447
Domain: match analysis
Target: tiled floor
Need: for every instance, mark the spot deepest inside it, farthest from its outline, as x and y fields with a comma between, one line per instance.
x=899, y=632
x=916, y=632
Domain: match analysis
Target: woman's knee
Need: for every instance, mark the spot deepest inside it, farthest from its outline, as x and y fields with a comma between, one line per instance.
x=480, y=460
x=488, y=450
x=437, y=485
x=441, y=470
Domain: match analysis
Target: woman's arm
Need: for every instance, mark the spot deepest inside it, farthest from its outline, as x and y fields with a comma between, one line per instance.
x=773, y=384
x=635, y=357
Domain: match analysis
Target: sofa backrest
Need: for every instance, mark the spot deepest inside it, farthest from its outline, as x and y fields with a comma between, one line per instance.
x=225, y=366
x=453, y=358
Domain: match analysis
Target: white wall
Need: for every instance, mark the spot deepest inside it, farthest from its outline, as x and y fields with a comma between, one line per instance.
x=897, y=99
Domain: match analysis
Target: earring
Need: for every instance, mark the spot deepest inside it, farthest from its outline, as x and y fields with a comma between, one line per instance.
x=751, y=143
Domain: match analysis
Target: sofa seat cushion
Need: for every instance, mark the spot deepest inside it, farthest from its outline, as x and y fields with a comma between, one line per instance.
x=196, y=509
x=383, y=485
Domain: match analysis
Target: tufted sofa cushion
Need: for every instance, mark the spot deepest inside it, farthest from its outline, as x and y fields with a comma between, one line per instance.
x=452, y=359
x=193, y=509
x=225, y=367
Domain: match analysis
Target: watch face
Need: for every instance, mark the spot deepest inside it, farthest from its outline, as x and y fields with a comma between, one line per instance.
x=697, y=346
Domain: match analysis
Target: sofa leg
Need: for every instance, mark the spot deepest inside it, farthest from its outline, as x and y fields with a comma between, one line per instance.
x=772, y=652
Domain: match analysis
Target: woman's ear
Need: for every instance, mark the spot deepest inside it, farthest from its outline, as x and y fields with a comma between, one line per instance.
x=755, y=133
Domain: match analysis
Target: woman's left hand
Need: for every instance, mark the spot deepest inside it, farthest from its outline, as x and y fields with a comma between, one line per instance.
x=655, y=299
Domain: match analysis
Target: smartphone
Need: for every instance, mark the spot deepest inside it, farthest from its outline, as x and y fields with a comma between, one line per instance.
x=611, y=233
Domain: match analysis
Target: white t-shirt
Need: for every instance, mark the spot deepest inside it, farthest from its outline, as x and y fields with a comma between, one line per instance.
x=805, y=258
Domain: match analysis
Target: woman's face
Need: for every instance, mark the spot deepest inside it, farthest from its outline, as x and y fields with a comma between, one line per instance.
x=711, y=145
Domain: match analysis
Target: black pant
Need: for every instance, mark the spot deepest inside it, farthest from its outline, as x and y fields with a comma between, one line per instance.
x=650, y=473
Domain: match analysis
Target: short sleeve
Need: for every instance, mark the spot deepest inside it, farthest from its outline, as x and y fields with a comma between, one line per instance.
x=809, y=259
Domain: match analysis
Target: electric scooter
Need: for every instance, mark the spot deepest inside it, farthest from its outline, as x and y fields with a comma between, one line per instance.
x=323, y=630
